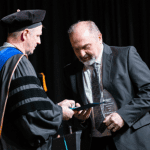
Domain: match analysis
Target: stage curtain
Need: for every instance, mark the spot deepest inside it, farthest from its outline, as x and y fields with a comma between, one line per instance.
x=121, y=22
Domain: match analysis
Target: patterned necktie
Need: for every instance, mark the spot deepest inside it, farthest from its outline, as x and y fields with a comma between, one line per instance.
x=96, y=93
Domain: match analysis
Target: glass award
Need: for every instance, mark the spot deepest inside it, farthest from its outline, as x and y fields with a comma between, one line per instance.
x=109, y=104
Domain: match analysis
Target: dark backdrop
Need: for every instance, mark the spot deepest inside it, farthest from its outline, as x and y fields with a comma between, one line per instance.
x=122, y=23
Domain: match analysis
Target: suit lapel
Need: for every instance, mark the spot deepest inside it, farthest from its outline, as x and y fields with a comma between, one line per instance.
x=107, y=59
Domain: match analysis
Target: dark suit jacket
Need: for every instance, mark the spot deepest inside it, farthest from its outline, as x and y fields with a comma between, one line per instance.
x=127, y=78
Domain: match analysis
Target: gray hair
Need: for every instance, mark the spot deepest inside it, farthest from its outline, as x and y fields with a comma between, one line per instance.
x=18, y=33
x=90, y=24
x=14, y=34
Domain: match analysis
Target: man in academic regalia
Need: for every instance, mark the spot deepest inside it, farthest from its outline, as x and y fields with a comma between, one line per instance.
x=28, y=117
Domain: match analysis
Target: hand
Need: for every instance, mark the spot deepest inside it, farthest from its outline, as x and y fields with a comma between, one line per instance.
x=114, y=122
x=83, y=114
x=69, y=103
x=67, y=112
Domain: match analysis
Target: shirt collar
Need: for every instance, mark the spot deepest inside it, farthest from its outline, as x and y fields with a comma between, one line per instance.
x=98, y=60
x=6, y=44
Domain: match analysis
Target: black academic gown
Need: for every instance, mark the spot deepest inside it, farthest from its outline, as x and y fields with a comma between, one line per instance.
x=31, y=118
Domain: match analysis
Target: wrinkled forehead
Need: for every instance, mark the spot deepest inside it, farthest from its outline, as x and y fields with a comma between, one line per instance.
x=80, y=34
x=83, y=37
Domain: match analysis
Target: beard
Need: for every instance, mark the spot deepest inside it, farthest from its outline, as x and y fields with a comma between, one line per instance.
x=88, y=62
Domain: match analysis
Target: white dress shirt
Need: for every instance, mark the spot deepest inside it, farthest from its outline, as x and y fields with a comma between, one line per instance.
x=87, y=75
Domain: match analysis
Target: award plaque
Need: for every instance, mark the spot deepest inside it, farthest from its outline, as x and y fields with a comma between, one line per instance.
x=107, y=107
x=109, y=104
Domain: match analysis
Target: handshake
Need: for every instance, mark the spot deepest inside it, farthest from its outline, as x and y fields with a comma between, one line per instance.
x=68, y=113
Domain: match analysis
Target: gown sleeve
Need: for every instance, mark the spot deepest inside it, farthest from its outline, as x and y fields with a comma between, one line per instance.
x=28, y=107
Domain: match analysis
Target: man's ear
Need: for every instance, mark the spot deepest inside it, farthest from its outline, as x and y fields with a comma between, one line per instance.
x=22, y=39
x=100, y=37
x=24, y=34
